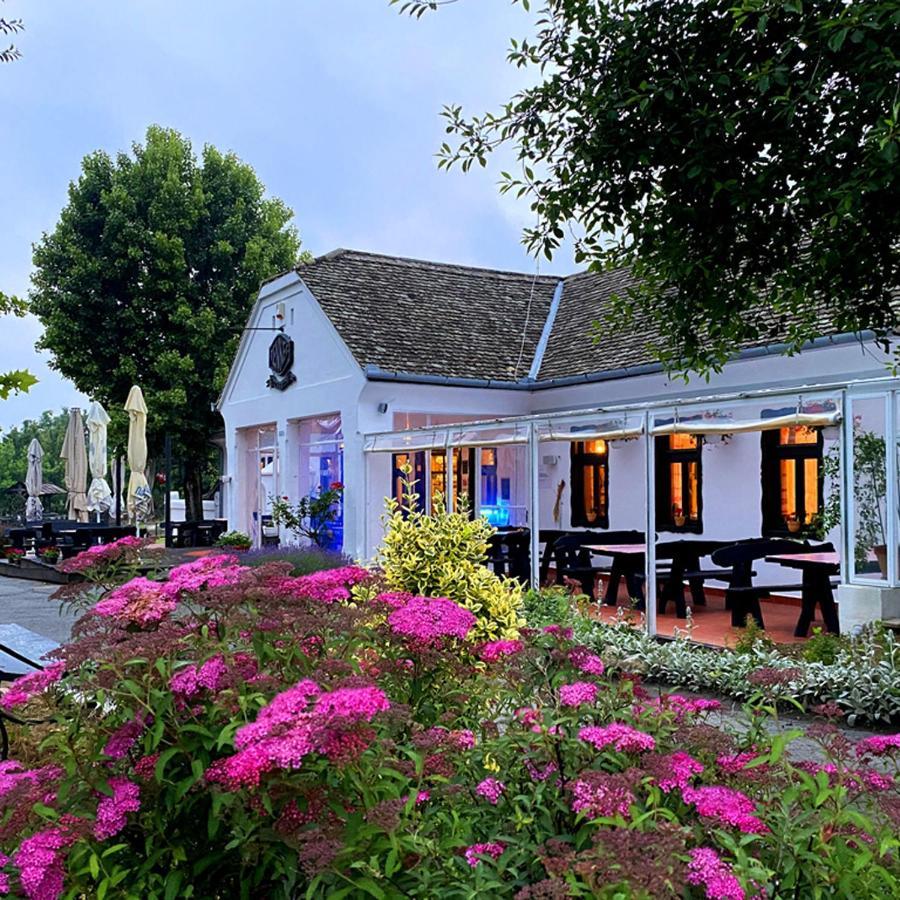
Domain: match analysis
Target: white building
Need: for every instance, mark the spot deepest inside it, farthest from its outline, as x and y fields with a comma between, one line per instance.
x=391, y=356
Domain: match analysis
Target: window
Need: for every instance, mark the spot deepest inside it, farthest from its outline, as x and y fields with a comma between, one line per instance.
x=590, y=484
x=463, y=469
x=408, y=467
x=463, y=466
x=679, y=483
x=791, y=480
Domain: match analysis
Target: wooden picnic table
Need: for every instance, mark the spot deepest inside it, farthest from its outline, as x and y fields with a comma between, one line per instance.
x=628, y=562
x=817, y=569
x=684, y=555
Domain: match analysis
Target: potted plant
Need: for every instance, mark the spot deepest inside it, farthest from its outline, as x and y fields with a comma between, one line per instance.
x=313, y=516
x=13, y=555
x=792, y=520
x=678, y=516
x=50, y=555
x=236, y=541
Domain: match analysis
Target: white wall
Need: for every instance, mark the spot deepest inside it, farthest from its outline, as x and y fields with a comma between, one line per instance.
x=330, y=381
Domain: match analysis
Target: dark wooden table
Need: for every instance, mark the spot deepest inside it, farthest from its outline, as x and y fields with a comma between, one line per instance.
x=817, y=570
x=684, y=555
x=627, y=563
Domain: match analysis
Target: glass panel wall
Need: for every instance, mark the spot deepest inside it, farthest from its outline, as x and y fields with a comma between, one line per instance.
x=867, y=459
x=503, y=481
x=321, y=466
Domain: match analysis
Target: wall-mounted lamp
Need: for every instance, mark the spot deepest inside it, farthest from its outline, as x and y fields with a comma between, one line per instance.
x=382, y=408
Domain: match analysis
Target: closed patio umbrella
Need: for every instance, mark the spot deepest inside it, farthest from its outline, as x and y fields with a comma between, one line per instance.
x=99, y=495
x=75, y=456
x=34, y=482
x=139, y=497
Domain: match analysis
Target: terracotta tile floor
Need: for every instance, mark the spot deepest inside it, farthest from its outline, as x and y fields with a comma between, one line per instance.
x=712, y=623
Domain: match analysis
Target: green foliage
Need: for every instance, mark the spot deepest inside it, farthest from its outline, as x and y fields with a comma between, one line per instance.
x=238, y=539
x=349, y=799
x=549, y=606
x=753, y=637
x=864, y=679
x=148, y=278
x=302, y=560
x=10, y=53
x=19, y=380
x=869, y=492
x=442, y=555
x=734, y=155
x=49, y=429
x=823, y=647
x=313, y=517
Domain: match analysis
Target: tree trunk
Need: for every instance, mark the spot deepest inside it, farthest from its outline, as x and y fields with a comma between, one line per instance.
x=193, y=491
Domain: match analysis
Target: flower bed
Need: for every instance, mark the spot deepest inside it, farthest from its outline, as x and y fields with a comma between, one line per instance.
x=242, y=732
x=863, y=679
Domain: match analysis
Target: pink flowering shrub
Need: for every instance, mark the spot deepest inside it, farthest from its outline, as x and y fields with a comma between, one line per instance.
x=236, y=732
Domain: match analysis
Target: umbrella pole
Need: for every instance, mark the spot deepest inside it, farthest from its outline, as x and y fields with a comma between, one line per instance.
x=118, y=489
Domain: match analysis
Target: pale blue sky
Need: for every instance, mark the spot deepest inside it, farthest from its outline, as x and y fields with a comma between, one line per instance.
x=334, y=102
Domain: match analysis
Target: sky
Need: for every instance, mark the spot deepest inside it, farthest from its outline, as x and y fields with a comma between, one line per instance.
x=335, y=103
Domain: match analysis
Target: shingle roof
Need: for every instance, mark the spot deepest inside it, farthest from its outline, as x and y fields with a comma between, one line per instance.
x=576, y=347
x=418, y=318
x=425, y=318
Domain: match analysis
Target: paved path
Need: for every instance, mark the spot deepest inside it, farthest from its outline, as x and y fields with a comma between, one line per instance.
x=28, y=603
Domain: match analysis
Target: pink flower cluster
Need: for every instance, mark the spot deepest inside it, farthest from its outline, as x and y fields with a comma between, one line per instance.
x=706, y=868
x=493, y=849
x=103, y=554
x=215, y=674
x=601, y=795
x=675, y=771
x=327, y=586
x=12, y=776
x=40, y=859
x=491, y=789
x=733, y=763
x=558, y=631
x=858, y=778
x=207, y=572
x=112, y=811
x=139, y=601
x=428, y=620
x=878, y=745
x=725, y=806
x=297, y=722
x=618, y=735
x=494, y=650
x=578, y=693
x=24, y=689
x=586, y=662
x=683, y=707
x=124, y=737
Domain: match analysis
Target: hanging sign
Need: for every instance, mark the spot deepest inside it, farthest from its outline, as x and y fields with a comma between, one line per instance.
x=281, y=361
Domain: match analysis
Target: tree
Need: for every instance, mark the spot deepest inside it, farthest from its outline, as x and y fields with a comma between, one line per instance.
x=50, y=430
x=148, y=278
x=18, y=379
x=10, y=27
x=735, y=154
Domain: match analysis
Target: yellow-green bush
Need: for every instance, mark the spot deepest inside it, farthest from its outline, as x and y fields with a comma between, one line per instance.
x=442, y=555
